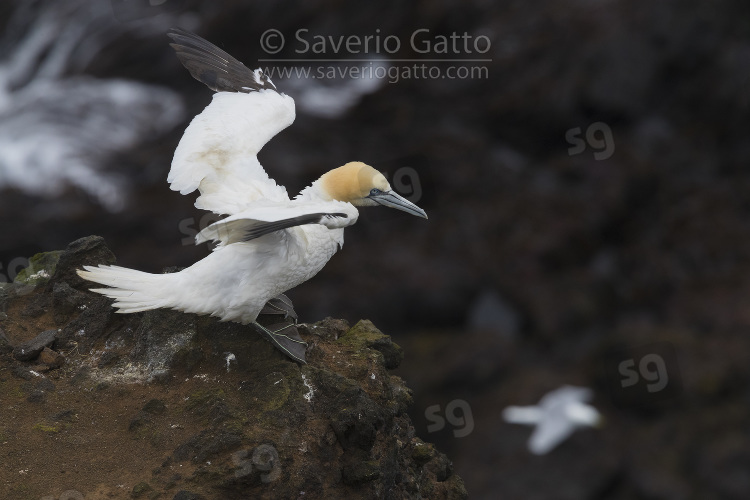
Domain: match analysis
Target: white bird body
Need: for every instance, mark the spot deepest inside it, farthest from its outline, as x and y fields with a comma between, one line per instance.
x=269, y=243
x=233, y=283
x=558, y=414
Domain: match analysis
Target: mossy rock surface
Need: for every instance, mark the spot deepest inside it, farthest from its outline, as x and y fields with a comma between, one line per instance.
x=208, y=409
x=41, y=268
x=365, y=337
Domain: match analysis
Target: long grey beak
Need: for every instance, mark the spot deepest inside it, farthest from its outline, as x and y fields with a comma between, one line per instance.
x=391, y=199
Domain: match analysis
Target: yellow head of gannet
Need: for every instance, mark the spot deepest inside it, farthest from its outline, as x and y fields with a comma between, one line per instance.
x=269, y=243
x=361, y=185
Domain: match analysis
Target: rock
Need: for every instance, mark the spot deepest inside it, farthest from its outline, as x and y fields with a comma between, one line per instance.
x=90, y=324
x=36, y=397
x=186, y=495
x=22, y=372
x=205, y=445
x=46, y=385
x=71, y=495
x=66, y=301
x=67, y=416
x=162, y=339
x=155, y=407
x=330, y=328
x=38, y=392
x=355, y=416
x=80, y=376
x=140, y=489
x=85, y=251
x=36, y=306
x=5, y=346
x=365, y=335
x=144, y=417
x=361, y=472
x=422, y=452
x=334, y=428
x=107, y=359
x=51, y=358
x=31, y=349
x=140, y=421
x=40, y=269
x=441, y=466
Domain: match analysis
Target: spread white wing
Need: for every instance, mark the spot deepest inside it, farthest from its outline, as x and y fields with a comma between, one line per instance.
x=218, y=152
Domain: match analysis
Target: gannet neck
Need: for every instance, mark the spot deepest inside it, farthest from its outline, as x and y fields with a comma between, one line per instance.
x=314, y=192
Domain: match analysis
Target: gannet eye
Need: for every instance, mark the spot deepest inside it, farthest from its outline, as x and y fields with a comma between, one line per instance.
x=375, y=192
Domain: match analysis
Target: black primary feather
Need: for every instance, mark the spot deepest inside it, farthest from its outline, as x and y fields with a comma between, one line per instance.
x=258, y=230
x=215, y=68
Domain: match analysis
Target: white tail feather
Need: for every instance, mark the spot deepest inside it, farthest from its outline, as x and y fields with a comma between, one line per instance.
x=133, y=291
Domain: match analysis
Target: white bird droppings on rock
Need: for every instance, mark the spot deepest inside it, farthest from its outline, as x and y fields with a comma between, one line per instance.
x=230, y=358
x=310, y=390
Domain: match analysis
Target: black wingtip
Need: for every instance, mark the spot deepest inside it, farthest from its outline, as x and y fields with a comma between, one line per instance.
x=213, y=67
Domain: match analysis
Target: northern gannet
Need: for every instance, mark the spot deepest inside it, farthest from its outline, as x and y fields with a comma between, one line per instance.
x=269, y=243
x=558, y=414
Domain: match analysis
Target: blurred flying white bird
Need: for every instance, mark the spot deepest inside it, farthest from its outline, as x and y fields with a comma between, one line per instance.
x=558, y=414
x=269, y=243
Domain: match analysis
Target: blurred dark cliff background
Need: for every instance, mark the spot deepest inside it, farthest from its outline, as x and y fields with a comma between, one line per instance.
x=587, y=193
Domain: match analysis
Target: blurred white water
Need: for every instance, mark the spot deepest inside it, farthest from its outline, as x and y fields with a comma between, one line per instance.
x=58, y=126
x=332, y=97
